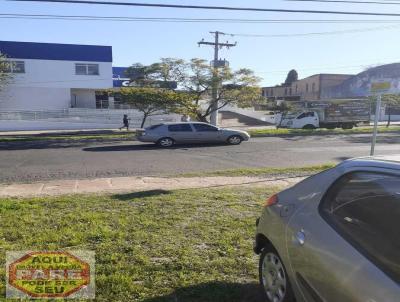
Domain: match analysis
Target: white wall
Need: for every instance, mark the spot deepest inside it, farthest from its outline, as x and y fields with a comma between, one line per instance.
x=35, y=98
x=85, y=98
x=47, y=84
x=61, y=74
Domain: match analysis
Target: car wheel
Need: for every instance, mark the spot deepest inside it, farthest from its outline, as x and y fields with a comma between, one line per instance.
x=165, y=142
x=273, y=277
x=347, y=126
x=234, y=140
x=309, y=127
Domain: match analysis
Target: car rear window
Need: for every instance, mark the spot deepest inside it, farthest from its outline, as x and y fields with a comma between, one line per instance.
x=154, y=127
x=364, y=207
x=204, y=128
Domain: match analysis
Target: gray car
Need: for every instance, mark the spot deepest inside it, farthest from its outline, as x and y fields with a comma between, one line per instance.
x=334, y=236
x=168, y=134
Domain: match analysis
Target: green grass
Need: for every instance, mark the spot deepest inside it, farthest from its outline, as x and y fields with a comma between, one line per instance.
x=68, y=137
x=289, y=132
x=187, y=245
x=263, y=171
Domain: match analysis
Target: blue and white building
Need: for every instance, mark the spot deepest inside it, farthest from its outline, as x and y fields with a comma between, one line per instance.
x=48, y=76
x=119, y=77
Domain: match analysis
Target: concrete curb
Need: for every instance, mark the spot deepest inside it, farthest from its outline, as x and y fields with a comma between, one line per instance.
x=134, y=184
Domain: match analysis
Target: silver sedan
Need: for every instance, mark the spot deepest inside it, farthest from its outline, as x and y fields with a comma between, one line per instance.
x=168, y=134
x=334, y=236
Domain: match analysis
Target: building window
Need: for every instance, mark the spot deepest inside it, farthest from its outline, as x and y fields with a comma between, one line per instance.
x=285, y=91
x=87, y=69
x=313, y=87
x=290, y=91
x=15, y=66
x=307, y=87
x=296, y=88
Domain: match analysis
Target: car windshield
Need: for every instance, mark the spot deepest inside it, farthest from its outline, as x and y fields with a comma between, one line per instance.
x=293, y=115
x=138, y=140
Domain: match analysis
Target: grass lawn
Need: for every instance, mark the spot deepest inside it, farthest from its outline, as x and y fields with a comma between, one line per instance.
x=186, y=245
x=264, y=171
x=282, y=131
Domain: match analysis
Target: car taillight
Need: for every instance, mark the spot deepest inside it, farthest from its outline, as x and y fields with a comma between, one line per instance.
x=271, y=201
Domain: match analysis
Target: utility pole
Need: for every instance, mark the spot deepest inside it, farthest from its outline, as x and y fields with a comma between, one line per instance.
x=216, y=64
x=376, y=121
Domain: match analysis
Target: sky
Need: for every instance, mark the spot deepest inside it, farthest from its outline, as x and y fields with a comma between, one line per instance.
x=270, y=57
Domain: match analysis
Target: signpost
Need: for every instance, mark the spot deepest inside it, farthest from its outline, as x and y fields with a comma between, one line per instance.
x=378, y=88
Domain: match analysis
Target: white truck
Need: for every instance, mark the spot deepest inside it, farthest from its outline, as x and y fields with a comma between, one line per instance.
x=331, y=114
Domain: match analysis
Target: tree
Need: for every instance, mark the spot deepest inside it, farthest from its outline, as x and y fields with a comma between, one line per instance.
x=284, y=108
x=169, y=69
x=152, y=101
x=392, y=101
x=291, y=77
x=196, y=79
x=237, y=88
x=163, y=74
x=141, y=75
x=5, y=75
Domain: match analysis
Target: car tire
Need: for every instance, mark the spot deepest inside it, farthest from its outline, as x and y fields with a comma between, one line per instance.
x=235, y=140
x=165, y=142
x=309, y=127
x=273, y=277
x=347, y=126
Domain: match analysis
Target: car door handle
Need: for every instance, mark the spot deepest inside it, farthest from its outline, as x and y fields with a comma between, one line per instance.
x=300, y=237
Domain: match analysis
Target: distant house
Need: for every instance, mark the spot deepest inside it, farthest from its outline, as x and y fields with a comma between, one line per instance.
x=360, y=85
x=310, y=88
x=336, y=86
x=49, y=76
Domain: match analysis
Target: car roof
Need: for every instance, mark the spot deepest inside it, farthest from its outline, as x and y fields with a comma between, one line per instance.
x=176, y=123
x=380, y=161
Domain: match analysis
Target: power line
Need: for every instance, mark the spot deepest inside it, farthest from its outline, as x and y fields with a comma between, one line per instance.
x=230, y=8
x=183, y=20
x=391, y=2
x=317, y=33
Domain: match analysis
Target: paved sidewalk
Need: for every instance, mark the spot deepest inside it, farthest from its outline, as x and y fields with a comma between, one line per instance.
x=134, y=184
x=61, y=132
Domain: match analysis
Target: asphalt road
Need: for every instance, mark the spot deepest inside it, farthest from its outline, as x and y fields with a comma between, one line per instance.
x=26, y=162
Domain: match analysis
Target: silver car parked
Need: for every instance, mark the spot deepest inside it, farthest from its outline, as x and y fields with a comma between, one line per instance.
x=165, y=135
x=334, y=236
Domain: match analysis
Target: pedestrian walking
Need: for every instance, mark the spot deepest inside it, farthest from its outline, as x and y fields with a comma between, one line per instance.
x=125, y=121
x=185, y=118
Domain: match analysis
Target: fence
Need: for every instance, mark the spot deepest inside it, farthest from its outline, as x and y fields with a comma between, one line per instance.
x=106, y=117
